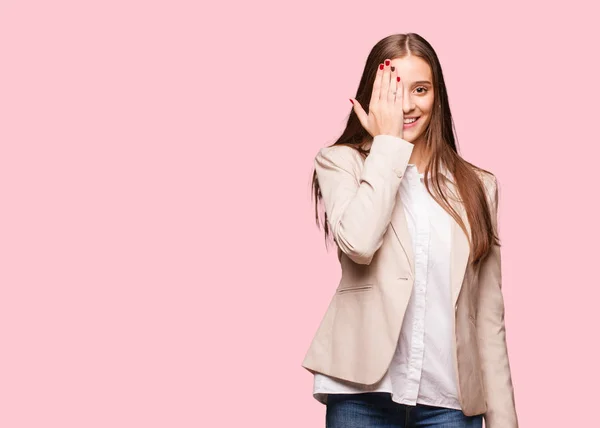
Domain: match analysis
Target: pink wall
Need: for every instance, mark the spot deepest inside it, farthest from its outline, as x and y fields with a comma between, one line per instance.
x=160, y=265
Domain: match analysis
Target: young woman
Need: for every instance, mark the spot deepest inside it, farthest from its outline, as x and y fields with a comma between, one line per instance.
x=414, y=335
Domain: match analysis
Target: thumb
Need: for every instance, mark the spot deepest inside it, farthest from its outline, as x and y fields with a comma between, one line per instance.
x=360, y=112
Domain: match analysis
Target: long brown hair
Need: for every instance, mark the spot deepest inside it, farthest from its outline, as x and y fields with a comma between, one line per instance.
x=439, y=143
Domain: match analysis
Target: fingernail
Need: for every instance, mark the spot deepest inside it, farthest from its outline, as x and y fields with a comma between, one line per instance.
x=393, y=68
x=387, y=62
x=397, y=78
x=351, y=101
x=381, y=66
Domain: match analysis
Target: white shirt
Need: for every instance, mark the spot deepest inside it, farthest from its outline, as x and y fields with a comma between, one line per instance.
x=422, y=368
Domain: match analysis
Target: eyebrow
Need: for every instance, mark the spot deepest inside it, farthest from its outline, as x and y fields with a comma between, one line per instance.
x=421, y=82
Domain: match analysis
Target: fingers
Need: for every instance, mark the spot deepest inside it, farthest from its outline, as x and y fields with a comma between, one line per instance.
x=385, y=108
x=377, y=85
x=399, y=92
x=385, y=81
x=391, y=97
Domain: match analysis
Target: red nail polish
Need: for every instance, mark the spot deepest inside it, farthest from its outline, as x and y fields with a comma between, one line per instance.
x=381, y=66
x=351, y=101
x=387, y=62
x=397, y=78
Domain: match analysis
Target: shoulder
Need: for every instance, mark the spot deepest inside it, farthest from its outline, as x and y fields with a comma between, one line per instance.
x=338, y=151
x=487, y=178
x=339, y=156
x=490, y=184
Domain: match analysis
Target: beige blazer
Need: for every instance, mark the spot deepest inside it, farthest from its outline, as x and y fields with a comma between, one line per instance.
x=358, y=334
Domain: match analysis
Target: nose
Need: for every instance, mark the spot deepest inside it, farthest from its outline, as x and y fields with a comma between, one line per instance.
x=407, y=103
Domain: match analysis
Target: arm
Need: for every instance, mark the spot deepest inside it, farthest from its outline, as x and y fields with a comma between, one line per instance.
x=491, y=332
x=359, y=208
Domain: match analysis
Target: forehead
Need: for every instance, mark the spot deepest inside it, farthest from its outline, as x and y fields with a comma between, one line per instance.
x=412, y=68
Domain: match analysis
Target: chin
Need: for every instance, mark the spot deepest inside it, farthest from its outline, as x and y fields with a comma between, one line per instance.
x=411, y=137
x=416, y=134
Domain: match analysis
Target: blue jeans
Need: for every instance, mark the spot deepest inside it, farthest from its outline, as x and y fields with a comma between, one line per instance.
x=377, y=410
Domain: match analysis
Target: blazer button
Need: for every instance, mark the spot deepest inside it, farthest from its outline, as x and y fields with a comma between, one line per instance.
x=398, y=173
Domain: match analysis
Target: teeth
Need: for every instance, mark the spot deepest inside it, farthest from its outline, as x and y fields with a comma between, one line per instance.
x=410, y=120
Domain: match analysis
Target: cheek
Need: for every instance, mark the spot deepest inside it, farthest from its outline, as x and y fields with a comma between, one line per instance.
x=426, y=107
x=427, y=104
x=427, y=113
x=427, y=120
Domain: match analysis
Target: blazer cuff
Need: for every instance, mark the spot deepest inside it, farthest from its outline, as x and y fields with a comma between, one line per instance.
x=391, y=151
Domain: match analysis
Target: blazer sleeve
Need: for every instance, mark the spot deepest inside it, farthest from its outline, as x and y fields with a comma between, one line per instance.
x=359, y=200
x=491, y=332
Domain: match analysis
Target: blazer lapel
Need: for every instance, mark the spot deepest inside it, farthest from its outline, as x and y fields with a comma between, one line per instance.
x=461, y=250
x=459, y=254
x=400, y=226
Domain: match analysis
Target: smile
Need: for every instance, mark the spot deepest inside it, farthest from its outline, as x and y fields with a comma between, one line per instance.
x=408, y=125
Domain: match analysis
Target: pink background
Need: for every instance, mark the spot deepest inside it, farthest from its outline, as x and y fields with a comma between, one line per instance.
x=160, y=264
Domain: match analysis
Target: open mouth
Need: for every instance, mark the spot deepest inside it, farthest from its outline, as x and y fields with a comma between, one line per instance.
x=408, y=125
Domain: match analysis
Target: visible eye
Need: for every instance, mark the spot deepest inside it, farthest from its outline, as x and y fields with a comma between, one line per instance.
x=422, y=87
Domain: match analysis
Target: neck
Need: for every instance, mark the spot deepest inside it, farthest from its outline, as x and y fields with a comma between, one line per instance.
x=419, y=156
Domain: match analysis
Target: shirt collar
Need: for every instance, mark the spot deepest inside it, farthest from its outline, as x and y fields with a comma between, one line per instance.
x=443, y=171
